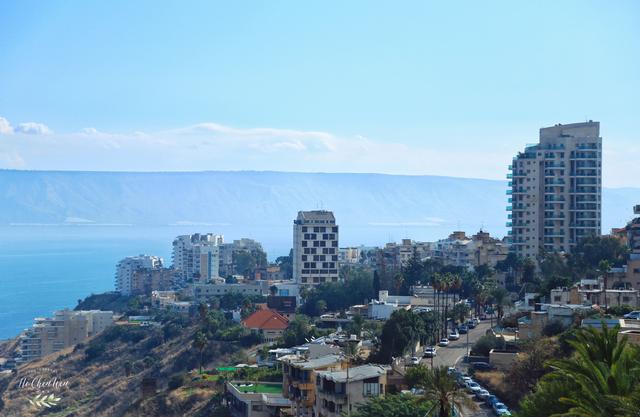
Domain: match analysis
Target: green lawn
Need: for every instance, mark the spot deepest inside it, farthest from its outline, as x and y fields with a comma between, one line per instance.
x=261, y=388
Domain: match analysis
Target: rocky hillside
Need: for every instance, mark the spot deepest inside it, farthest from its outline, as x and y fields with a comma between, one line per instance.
x=126, y=371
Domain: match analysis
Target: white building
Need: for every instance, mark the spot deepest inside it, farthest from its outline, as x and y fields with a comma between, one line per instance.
x=65, y=329
x=131, y=264
x=315, y=248
x=555, y=190
x=197, y=257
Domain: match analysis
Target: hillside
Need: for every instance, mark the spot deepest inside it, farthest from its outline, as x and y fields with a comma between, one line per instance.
x=105, y=376
x=268, y=199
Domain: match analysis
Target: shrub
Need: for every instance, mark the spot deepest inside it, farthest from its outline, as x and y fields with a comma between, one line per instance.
x=176, y=381
x=95, y=350
x=485, y=344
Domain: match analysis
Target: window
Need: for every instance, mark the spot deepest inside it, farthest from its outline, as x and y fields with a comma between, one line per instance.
x=370, y=387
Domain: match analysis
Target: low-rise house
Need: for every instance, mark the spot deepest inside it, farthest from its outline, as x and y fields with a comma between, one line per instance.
x=299, y=379
x=340, y=390
x=256, y=399
x=592, y=291
x=270, y=324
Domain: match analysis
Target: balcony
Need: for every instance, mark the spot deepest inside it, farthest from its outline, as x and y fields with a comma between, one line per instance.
x=509, y=176
x=509, y=224
x=509, y=208
x=509, y=192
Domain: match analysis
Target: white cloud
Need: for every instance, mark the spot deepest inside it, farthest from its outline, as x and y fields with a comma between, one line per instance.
x=212, y=146
x=33, y=128
x=5, y=127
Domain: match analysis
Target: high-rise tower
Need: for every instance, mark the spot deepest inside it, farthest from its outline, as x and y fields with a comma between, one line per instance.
x=556, y=189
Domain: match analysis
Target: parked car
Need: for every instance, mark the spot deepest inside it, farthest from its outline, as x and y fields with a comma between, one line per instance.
x=464, y=381
x=501, y=409
x=491, y=400
x=463, y=329
x=473, y=387
x=451, y=370
x=483, y=316
x=481, y=366
x=429, y=352
x=454, y=335
x=482, y=395
x=471, y=324
x=634, y=315
x=443, y=342
x=414, y=360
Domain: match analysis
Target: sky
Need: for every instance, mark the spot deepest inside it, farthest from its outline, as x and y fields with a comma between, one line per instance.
x=433, y=88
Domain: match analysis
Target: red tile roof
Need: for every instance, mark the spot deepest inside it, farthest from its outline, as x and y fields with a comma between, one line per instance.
x=266, y=320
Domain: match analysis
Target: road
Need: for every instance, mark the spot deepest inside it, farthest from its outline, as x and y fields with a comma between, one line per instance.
x=453, y=354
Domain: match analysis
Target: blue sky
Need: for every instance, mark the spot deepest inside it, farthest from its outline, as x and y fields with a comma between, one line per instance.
x=399, y=87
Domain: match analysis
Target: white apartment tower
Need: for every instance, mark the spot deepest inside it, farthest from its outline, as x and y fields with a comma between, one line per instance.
x=556, y=190
x=315, y=247
x=129, y=265
x=197, y=257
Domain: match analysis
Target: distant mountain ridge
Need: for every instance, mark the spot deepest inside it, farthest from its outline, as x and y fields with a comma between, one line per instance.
x=251, y=198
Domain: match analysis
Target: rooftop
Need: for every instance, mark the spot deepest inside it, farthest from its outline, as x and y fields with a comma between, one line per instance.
x=257, y=388
x=355, y=374
x=266, y=320
x=317, y=363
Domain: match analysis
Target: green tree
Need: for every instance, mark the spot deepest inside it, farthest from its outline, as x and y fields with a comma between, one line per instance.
x=393, y=405
x=399, y=334
x=200, y=342
x=590, y=250
x=443, y=390
x=298, y=332
x=376, y=285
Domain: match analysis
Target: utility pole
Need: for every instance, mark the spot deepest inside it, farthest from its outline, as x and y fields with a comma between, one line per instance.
x=347, y=389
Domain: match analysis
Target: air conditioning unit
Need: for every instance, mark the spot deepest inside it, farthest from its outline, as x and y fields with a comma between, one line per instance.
x=636, y=209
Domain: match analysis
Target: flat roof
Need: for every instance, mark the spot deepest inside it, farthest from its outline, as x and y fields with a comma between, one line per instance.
x=355, y=374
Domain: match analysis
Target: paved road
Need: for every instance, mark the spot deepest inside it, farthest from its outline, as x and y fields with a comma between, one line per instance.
x=453, y=354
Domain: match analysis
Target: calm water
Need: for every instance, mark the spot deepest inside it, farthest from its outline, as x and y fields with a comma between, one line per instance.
x=45, y=268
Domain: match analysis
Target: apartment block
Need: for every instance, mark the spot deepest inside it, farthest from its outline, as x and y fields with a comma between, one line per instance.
x=315, y=248
x=341, y=390
x=127, y=268
x=145, y=281
x=65, y=329
x=229, y=252
x=556, y=190
x=197, y=257
x=633, y=239
x=299, y=379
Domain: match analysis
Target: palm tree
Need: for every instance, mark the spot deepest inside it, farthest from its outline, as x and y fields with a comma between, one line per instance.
x=200, y=342
x=398, y=280
x=606, y=371
x=442, y=389
x=604, y=267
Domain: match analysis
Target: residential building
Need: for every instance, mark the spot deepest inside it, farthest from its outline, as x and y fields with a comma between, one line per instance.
x=556, y=190
x=633, y=238
x=197, y=257
x=268, y=323
x=315, y=248
x=340, y=390
x=469, y=252
x=146, y=280
x=230, y=251
x=285, y=305
x=299, y=379
x=202, y=292
x=592, y=292
x=65, y=329
x=349, y=255
x=126, y=269
x=256, y=399
x=394, y=256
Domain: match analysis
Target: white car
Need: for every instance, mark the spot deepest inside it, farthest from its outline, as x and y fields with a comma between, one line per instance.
x=473, y=387
x=454, y=335
x=429, y=352
x=414, y=360
x=634, y=315
x=501, y=409
x=443, y=342
x=483, y=394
